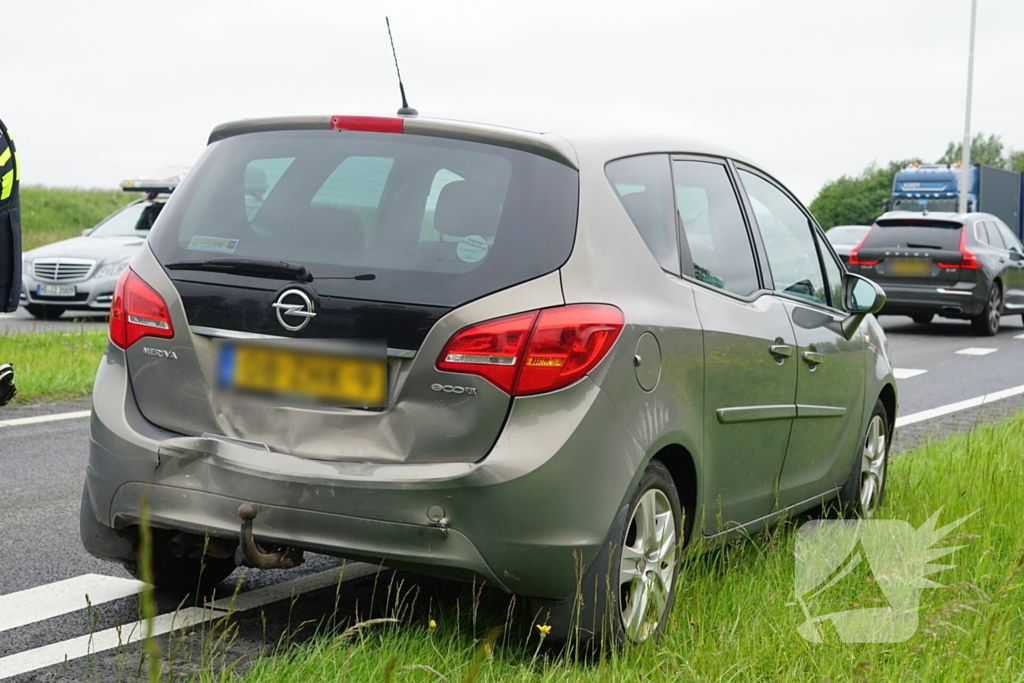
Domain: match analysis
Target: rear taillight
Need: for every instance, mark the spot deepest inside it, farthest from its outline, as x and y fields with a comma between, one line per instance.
x=967, y=258
x=369, y=124
x=137, y=311
x=855, y=260
x=535, y=352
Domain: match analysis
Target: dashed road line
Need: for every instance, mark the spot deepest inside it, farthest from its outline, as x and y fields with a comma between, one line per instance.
x=976, y=351
x=63, y=597
x=906, y=373
x=45, y=418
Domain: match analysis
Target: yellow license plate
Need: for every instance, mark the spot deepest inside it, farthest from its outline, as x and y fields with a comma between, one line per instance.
x=352, y=381
x=911, y=267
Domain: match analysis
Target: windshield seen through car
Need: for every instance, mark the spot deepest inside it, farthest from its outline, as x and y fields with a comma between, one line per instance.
x=134, y=220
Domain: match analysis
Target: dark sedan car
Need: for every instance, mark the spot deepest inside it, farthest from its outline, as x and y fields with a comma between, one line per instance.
x=844, y=238
x=966, y=266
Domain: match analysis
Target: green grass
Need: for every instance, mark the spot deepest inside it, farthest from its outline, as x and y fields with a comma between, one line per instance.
x=52, y=366
x=53, y=214
x=733, y=619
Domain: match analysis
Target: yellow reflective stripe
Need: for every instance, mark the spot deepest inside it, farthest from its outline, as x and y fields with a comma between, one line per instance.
x=5, y=156
x=6, y=185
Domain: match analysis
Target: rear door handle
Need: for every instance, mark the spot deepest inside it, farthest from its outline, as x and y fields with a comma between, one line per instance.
x=781, y=351
x=813, y=358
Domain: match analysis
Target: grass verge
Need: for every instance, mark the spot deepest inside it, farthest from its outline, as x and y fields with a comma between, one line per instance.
x=52, y=366
x=734, y=618
x=50, y=214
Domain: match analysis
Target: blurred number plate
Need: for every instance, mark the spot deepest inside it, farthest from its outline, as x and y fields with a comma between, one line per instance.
x=55, y=290
x=911, y=267
x=351, y=381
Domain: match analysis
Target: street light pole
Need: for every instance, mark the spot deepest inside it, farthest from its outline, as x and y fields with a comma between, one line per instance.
x=965, y=160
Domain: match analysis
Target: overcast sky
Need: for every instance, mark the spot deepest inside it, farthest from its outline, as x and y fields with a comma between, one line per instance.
x=811, y=89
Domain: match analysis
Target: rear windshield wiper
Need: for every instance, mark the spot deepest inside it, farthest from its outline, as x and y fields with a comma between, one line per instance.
x=911, y=245
x=252, y=267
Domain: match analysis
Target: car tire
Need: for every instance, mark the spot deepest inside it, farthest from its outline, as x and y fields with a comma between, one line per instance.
x=986, y=323
x=604, y=615
x=195, y=576
x=45, y=312
x=864, y=489
x=922, y=319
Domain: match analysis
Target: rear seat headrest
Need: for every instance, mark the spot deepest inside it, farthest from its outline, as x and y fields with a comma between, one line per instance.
x=465, y=207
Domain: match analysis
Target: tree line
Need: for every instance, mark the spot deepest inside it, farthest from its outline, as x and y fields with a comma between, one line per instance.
x=857, y=200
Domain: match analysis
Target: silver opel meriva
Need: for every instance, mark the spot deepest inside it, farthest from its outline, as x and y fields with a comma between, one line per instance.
x=550, y=360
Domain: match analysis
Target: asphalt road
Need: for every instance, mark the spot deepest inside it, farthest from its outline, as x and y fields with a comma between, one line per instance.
x=41, y=467
x=21, y=321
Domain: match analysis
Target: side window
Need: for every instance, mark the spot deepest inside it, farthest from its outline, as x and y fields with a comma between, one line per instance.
x=833, y=273
x=644, y=186
x=788, y=240
x=261, y=175
x=980, y=233
x=356, y=184
x=1012, y=243
x=712, y=221
x=995, y=238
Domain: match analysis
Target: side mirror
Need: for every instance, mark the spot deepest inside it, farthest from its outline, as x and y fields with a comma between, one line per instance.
x=1015, y=255
x=886, y=203
x=861, y=297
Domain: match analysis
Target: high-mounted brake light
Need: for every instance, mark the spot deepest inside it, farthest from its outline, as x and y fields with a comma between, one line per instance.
x=369, y=124
x=137, y=311
x=855, y=260
x=535, y=352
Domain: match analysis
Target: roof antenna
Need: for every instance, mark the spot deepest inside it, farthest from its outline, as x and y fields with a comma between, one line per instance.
x=406, y=110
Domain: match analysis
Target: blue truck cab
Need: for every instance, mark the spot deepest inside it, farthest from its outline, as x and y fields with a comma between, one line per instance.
x=936, y=187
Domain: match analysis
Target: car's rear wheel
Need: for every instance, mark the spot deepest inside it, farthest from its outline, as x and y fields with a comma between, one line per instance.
x=987, y=322
x=196, y=576
x=865, y=488
x=627, y=593
x=45, y=312
x=923, y=319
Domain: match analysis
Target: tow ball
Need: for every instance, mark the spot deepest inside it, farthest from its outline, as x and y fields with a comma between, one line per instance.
x=252, y=554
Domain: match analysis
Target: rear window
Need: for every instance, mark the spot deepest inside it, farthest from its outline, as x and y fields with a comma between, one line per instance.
x=915, y=234
x=436, y=221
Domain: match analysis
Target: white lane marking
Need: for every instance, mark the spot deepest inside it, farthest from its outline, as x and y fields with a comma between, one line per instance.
x=958, y=406
x=48, y=655
x=976, y=351
x=45, y=418
x=1018, y=336
x=906, y=373
x=63, y=597
x=75, y=648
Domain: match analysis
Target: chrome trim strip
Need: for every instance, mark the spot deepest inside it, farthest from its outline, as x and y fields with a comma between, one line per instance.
x=235, y=334
x=819, y=411
x=755, y=413
x=942, y=290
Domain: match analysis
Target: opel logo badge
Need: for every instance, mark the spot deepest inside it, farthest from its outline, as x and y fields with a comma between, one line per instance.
x=296, y=306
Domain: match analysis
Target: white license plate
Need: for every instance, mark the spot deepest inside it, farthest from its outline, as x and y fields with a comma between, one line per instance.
x=55, y=290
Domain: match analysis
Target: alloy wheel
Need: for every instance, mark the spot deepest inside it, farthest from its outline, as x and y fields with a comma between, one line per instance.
x=648, y=566
x=995, y=301
x=873, y=465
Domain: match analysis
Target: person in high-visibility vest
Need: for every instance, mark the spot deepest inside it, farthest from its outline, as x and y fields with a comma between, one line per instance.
x=10, y=246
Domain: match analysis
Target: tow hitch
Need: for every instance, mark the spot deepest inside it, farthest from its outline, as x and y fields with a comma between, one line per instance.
x=252, y=554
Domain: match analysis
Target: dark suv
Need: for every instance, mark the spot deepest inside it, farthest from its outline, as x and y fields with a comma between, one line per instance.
x=965, y=266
